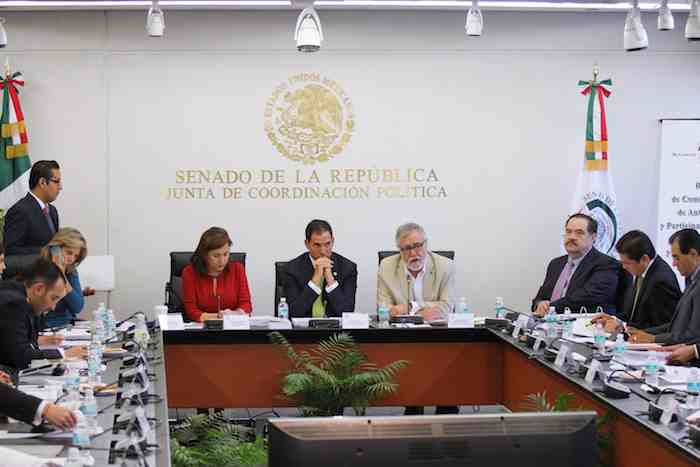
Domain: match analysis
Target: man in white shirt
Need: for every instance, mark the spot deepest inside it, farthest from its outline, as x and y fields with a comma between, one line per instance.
x=416, y=281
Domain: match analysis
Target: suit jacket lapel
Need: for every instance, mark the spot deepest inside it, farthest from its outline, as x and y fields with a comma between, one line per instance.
x=644, y=293
x=429, y=285
x=401, y=273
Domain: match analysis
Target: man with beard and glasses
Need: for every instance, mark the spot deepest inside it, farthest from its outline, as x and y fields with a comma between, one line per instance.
x=584, y=277
x=416, y=282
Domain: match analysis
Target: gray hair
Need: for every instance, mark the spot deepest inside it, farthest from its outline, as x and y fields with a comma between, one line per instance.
x=406, y=229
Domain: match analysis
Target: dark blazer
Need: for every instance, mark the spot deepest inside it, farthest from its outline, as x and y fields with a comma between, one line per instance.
x=593, y=284
x=26, y=227
x=657, y=298
x=301, y=297
x=18, y=331
x=18, y=405
x=685, y=324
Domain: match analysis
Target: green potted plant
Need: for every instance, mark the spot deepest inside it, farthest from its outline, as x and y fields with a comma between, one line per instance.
x=333, y=375
x=204, y=440
x=564, y=403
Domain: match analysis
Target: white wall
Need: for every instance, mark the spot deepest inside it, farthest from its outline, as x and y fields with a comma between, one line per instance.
x=499, y=118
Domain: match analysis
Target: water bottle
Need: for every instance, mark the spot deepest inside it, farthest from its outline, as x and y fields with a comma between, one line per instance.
x=94, y=363
x=141, y=335
x=111, y=324
x=693, y=382
x=283, y=309
x=73, y=459
x=97, y=331
x=651, y=370
x=383, y=315
x=72, y=383
x=550, y=318
x=88, y=406
x=599, y=338
x=461, y=305
x=620, y=347
x=81, y=432
x=500, y=308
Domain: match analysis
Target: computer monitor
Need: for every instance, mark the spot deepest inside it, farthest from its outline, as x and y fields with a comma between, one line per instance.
x=490, y=440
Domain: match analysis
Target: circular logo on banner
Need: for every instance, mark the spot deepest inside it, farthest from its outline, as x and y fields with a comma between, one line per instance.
x=607, y=224
x=309, y=118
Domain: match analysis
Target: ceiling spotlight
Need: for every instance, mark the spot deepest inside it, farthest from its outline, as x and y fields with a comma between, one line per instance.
x=155, y=21
x=475, y=20
x=308, y=32
x=692, y=26
x=3, y=34
x=665, y=20
x=635, y=35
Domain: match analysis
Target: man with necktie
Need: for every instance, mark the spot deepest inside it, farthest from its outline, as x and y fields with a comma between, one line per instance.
x=684, y=327
x=320, y=283
x=32, y=221
x=584, y=277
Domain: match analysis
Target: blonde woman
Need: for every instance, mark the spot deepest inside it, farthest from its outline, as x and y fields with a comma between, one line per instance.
x=67, y=249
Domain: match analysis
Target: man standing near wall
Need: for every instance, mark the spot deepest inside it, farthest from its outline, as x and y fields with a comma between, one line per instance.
x=32, y=221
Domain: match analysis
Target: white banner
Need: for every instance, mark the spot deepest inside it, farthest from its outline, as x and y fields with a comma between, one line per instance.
x=679, y=182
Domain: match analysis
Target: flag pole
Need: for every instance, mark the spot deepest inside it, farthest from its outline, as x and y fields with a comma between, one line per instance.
x=8, y=73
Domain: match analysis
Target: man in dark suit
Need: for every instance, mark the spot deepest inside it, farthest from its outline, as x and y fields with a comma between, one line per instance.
x=32, y=410
x=653, y=296
x=582, y=277
x=684, y=327
x=320, y=282
x=20, y=304
x=32, y=221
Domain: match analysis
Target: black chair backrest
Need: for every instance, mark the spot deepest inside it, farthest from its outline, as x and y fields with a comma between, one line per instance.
x=450, y=254
x=16, y=264
x=178, y=261
x=280, y=269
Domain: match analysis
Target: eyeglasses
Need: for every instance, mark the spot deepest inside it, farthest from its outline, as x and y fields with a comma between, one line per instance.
x=415, y=246
x=57, y=181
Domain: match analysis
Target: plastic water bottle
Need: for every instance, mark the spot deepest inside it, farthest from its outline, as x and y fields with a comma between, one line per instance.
x=651, y=370
x=111, y=324
x=94, y=362
x=550, y=318
x=73, y=459
x=97, y=331
x=500, y=308
x=283, y=309
x=461, y=306
x=383, y=315
x=141, y=335
x=81, y=432
x=88, y=406
x=72, y=384
x=620, y=346
x=599, y=338
x=693, y=382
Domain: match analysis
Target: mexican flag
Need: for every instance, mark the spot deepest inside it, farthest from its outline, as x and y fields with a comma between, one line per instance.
x=595, y=193
x=14, y=156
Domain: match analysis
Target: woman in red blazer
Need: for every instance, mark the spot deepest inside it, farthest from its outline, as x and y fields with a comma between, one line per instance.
x=211, y=286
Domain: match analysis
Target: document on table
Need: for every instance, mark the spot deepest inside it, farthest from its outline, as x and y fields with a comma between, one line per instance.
x=675, y=374
x=15, y=458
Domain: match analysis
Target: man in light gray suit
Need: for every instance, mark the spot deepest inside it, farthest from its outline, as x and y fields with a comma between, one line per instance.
x=416, y=281
x=685, y=324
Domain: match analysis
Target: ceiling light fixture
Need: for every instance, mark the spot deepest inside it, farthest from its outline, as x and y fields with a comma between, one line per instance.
x=635, y=36
x=475, y=20
x=155, y=21
x=665, y=19
x=308, y=33
x=3, y=34
x=692, y=26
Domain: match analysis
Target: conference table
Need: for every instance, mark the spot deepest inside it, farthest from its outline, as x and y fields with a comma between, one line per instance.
x=477, y=366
